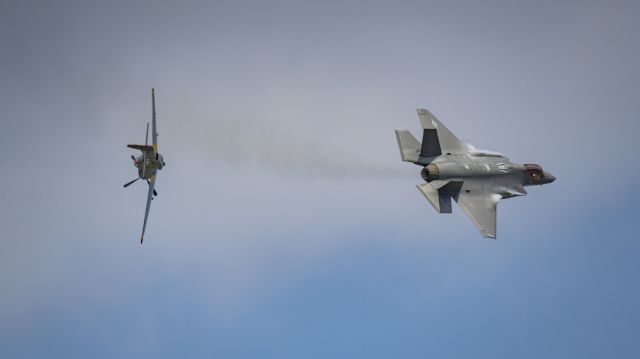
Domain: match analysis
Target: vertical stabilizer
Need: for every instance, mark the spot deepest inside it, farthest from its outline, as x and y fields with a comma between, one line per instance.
x=409, y=146
x=439, y=194
x=439, y=198
x=447, y=141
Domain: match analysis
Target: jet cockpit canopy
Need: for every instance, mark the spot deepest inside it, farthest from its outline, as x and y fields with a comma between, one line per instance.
x=535, y=172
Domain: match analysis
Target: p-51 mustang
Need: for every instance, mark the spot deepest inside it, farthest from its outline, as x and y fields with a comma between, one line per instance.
x=149, y=162
x=477, y=180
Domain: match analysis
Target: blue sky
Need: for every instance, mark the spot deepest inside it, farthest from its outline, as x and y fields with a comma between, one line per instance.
x=286, y=225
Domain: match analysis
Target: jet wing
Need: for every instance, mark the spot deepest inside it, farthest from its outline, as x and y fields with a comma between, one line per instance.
x=480, y=206
x=449, y=143
x=152, y=183
x=154, y=131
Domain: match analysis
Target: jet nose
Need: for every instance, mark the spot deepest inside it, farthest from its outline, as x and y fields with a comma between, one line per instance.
x=549, y=177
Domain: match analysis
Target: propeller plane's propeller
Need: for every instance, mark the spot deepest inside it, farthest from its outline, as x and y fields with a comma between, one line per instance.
x=149, y=162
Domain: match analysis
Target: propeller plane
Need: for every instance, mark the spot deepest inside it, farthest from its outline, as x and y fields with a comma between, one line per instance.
x=149, y=162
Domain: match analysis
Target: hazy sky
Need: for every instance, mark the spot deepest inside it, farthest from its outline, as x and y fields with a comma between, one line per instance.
x=286, y=225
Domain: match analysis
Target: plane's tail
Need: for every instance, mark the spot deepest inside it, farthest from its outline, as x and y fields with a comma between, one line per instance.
x=436, y=140
x=143, y=148
x=439, y=193
x=409, y=146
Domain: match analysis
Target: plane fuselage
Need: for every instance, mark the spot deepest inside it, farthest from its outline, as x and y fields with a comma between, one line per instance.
x=480, y=165
x=148, y=169
x=492, y=171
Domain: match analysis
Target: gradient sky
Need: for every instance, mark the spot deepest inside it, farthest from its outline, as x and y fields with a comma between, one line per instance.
x=286, y=225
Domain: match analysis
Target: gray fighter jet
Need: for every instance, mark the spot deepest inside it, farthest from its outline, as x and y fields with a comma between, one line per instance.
x=149, y=162
x=475, y=179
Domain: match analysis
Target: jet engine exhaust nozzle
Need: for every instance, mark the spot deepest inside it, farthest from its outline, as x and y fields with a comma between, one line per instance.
x=430, y=172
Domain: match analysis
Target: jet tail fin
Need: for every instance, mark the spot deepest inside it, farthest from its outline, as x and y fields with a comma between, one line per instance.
x=409, y=146
x=441, y=140
x=439, y=194
x=442, y=204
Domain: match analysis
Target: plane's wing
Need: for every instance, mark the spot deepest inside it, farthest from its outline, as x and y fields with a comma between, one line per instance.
x=152, y=183
x=154, y=131
x=449, y=143
x=480, y=206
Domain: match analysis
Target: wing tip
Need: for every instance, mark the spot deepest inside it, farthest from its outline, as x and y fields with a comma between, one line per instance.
x=488, y=235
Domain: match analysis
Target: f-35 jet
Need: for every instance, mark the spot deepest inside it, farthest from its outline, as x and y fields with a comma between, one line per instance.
x=149, y=162
x=475, y=179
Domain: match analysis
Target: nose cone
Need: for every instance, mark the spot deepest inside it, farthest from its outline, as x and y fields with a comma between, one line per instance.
x=549, y=177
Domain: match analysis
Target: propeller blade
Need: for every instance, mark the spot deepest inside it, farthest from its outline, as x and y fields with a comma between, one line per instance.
x=127, y=185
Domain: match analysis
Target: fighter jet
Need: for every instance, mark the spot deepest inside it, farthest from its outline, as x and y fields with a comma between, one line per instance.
x=475, y=179
x=149, y=162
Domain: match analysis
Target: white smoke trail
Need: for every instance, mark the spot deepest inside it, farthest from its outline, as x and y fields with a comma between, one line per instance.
x=288, y=152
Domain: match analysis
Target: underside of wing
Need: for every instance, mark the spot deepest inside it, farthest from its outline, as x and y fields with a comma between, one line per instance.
x=481, y=206
x=152, y=184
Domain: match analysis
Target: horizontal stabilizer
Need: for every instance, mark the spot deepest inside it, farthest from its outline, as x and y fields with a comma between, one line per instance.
x=143, y=148
x=409, y=146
